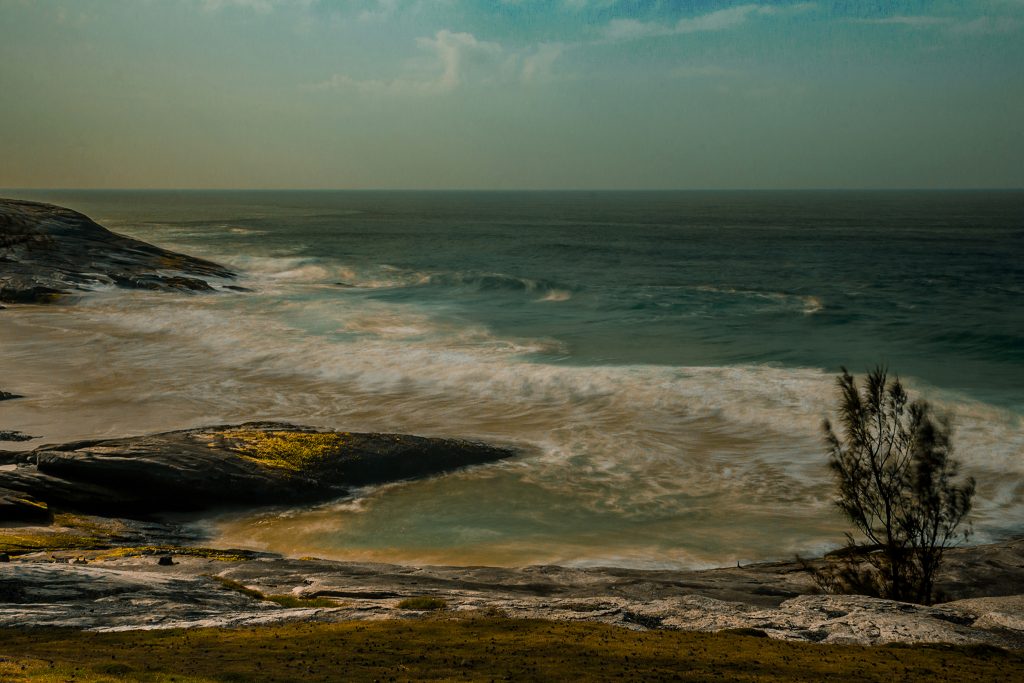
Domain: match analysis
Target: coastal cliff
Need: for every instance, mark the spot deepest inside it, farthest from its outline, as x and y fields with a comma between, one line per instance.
x=48, y=251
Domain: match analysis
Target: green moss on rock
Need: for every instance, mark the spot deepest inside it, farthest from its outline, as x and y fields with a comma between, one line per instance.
x=288, y=450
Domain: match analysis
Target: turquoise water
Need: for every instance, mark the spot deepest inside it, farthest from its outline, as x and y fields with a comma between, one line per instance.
x=665, y=359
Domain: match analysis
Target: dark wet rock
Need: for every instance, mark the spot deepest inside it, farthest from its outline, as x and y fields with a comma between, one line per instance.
x=4, y=557
x=165, y=561
x=254, y=464
x=7, y=396
x=20, y=507
x=15, y=436
x=48, y=251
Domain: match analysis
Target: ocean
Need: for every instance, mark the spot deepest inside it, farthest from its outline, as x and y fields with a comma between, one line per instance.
x=663, y=359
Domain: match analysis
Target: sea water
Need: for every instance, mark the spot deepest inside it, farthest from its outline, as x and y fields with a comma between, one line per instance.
x=663, y=360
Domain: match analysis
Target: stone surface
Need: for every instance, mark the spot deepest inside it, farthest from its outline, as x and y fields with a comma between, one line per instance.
x=134, y=593
x=48, y=251
x=19, y=507
x=200, y=469
x=15, y=436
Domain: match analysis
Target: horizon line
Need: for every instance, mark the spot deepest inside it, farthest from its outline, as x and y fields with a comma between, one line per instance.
x=517, y=190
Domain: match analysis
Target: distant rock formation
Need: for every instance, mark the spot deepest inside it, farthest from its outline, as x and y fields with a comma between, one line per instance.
x=47, y=251
x=253, y=464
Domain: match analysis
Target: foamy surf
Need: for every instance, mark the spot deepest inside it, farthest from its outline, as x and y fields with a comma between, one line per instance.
x=721, y=445
x=664, y=362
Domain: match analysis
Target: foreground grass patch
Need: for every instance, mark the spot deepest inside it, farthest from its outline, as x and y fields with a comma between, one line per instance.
x=473, y=649
x=14, y=542
x=190, y=551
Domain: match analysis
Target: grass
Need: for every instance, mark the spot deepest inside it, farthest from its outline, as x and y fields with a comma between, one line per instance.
x=14, y=542
x=190, y=551
x=473, y=649
x=66, y=532
x=294, y=451
x=423, y=603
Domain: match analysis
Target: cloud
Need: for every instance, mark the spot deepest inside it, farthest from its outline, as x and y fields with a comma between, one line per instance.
x=988, y=26
x=981, y=26
x=456, y=52
x=719, y=20
x=703, y=71
x=262, y=6
x=922, y=21
x=455, y=56
x=536, y=66
x=382, y=9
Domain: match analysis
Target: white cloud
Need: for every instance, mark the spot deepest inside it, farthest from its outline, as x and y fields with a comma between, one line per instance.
x=536, y=66
x=921, y=21
x=981, y=26
x=719, y=20
x=456, y=52
x=987, y=26
x=380, y=10
x=261, y=6
x=456, y=55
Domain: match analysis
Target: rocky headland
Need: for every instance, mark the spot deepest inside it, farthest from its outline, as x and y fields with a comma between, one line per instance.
x=48, y=252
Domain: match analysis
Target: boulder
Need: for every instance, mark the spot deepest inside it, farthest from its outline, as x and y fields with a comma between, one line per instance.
x=14, y=436
x=253, y=464
x=48, y=251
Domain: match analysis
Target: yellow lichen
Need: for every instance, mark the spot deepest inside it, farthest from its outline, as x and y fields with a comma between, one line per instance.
x=295, y=451
x=282, y=600
x=14, y=543
x=189, y=551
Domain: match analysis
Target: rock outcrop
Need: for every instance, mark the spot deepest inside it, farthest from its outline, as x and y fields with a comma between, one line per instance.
x=102, y=591
x=48, y=251
x=253, y=464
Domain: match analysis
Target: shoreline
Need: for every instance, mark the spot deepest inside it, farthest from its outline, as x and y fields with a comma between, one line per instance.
x=185, y=585
x=94, y=573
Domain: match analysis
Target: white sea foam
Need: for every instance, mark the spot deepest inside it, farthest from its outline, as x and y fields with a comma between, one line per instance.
x=724, y=446
x=808, y=304
x=556, y=295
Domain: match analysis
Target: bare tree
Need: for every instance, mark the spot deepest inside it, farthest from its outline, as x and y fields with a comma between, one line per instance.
x=898, y=485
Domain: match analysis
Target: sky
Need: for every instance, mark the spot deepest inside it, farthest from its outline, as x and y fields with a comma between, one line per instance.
x=511, y=94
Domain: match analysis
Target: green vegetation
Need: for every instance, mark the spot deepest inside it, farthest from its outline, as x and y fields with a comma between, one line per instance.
x=295, y=451
x=423, y=603
x=282, y=600
x=17, y=542
x=474, y=649
x=898, y=485
x=189, y=551
x=64, y=532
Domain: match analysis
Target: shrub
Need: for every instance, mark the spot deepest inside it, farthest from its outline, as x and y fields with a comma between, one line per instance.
x=898, y=485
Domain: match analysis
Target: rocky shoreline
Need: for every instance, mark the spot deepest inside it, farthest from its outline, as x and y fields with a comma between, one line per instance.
x=131, y=569
x=189, y=587
x=83, y=543
x=48, y=252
